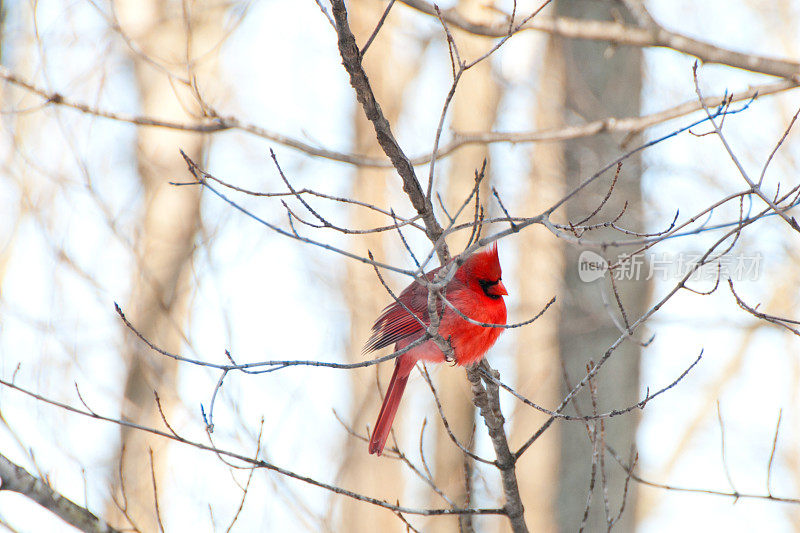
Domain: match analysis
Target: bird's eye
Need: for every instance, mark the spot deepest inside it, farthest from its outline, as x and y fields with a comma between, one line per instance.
x=486, y=286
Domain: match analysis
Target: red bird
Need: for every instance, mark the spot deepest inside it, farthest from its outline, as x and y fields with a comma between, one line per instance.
x=476, y=290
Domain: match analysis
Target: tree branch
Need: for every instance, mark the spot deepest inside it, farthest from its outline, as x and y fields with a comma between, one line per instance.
x=250, y=461
x=16, y=479
x=486, y=398
x=351, y=58
x=220, y=124
x=622, y=34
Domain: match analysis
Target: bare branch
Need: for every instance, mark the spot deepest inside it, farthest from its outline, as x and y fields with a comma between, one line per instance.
x=271, y=365
x=216, y=124
x=486, y=399
x=620, y=34
x=446, y=424
x=246, y=488
x=772, y=452
x=777, y=146
x=14, y=478
x=358, y=79
x=608, y=353
x=722, y=449
x=778, y=321
x=756, y=189
x=377, y=28
x=156, y=504
x=735, y=495
x=258, y=463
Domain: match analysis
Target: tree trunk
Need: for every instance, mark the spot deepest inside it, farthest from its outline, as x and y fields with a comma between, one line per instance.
x=380, y=477
x=601, y=81
x=165, y=243
x=540, y=263
x=474, y=108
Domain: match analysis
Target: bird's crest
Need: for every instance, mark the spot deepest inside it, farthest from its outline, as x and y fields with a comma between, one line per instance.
x=484, y=264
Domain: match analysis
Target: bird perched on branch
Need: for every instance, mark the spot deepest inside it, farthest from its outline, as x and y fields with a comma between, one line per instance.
x=476, y=290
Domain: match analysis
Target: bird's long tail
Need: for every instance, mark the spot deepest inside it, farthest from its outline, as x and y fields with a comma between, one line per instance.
x=402, y=369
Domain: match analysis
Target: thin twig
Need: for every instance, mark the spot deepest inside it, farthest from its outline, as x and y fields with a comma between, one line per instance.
x=722, y=449
x=756, y=189
x=155, y=491
x=259, y=463
x=376, y=30
x=772, y=452
x=735, y=495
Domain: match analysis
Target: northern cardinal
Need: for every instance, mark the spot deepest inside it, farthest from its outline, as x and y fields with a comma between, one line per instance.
x=476, y=290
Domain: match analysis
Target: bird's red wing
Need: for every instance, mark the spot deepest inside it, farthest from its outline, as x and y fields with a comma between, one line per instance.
x=396, y=323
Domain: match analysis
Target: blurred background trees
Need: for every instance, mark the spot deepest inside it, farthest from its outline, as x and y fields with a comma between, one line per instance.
x=98, y=99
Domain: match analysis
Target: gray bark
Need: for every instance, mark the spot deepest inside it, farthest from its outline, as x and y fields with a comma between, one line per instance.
x=601, y=81
x=14, y=478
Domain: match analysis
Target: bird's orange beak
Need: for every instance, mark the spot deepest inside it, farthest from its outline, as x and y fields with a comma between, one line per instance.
x=498, y=289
